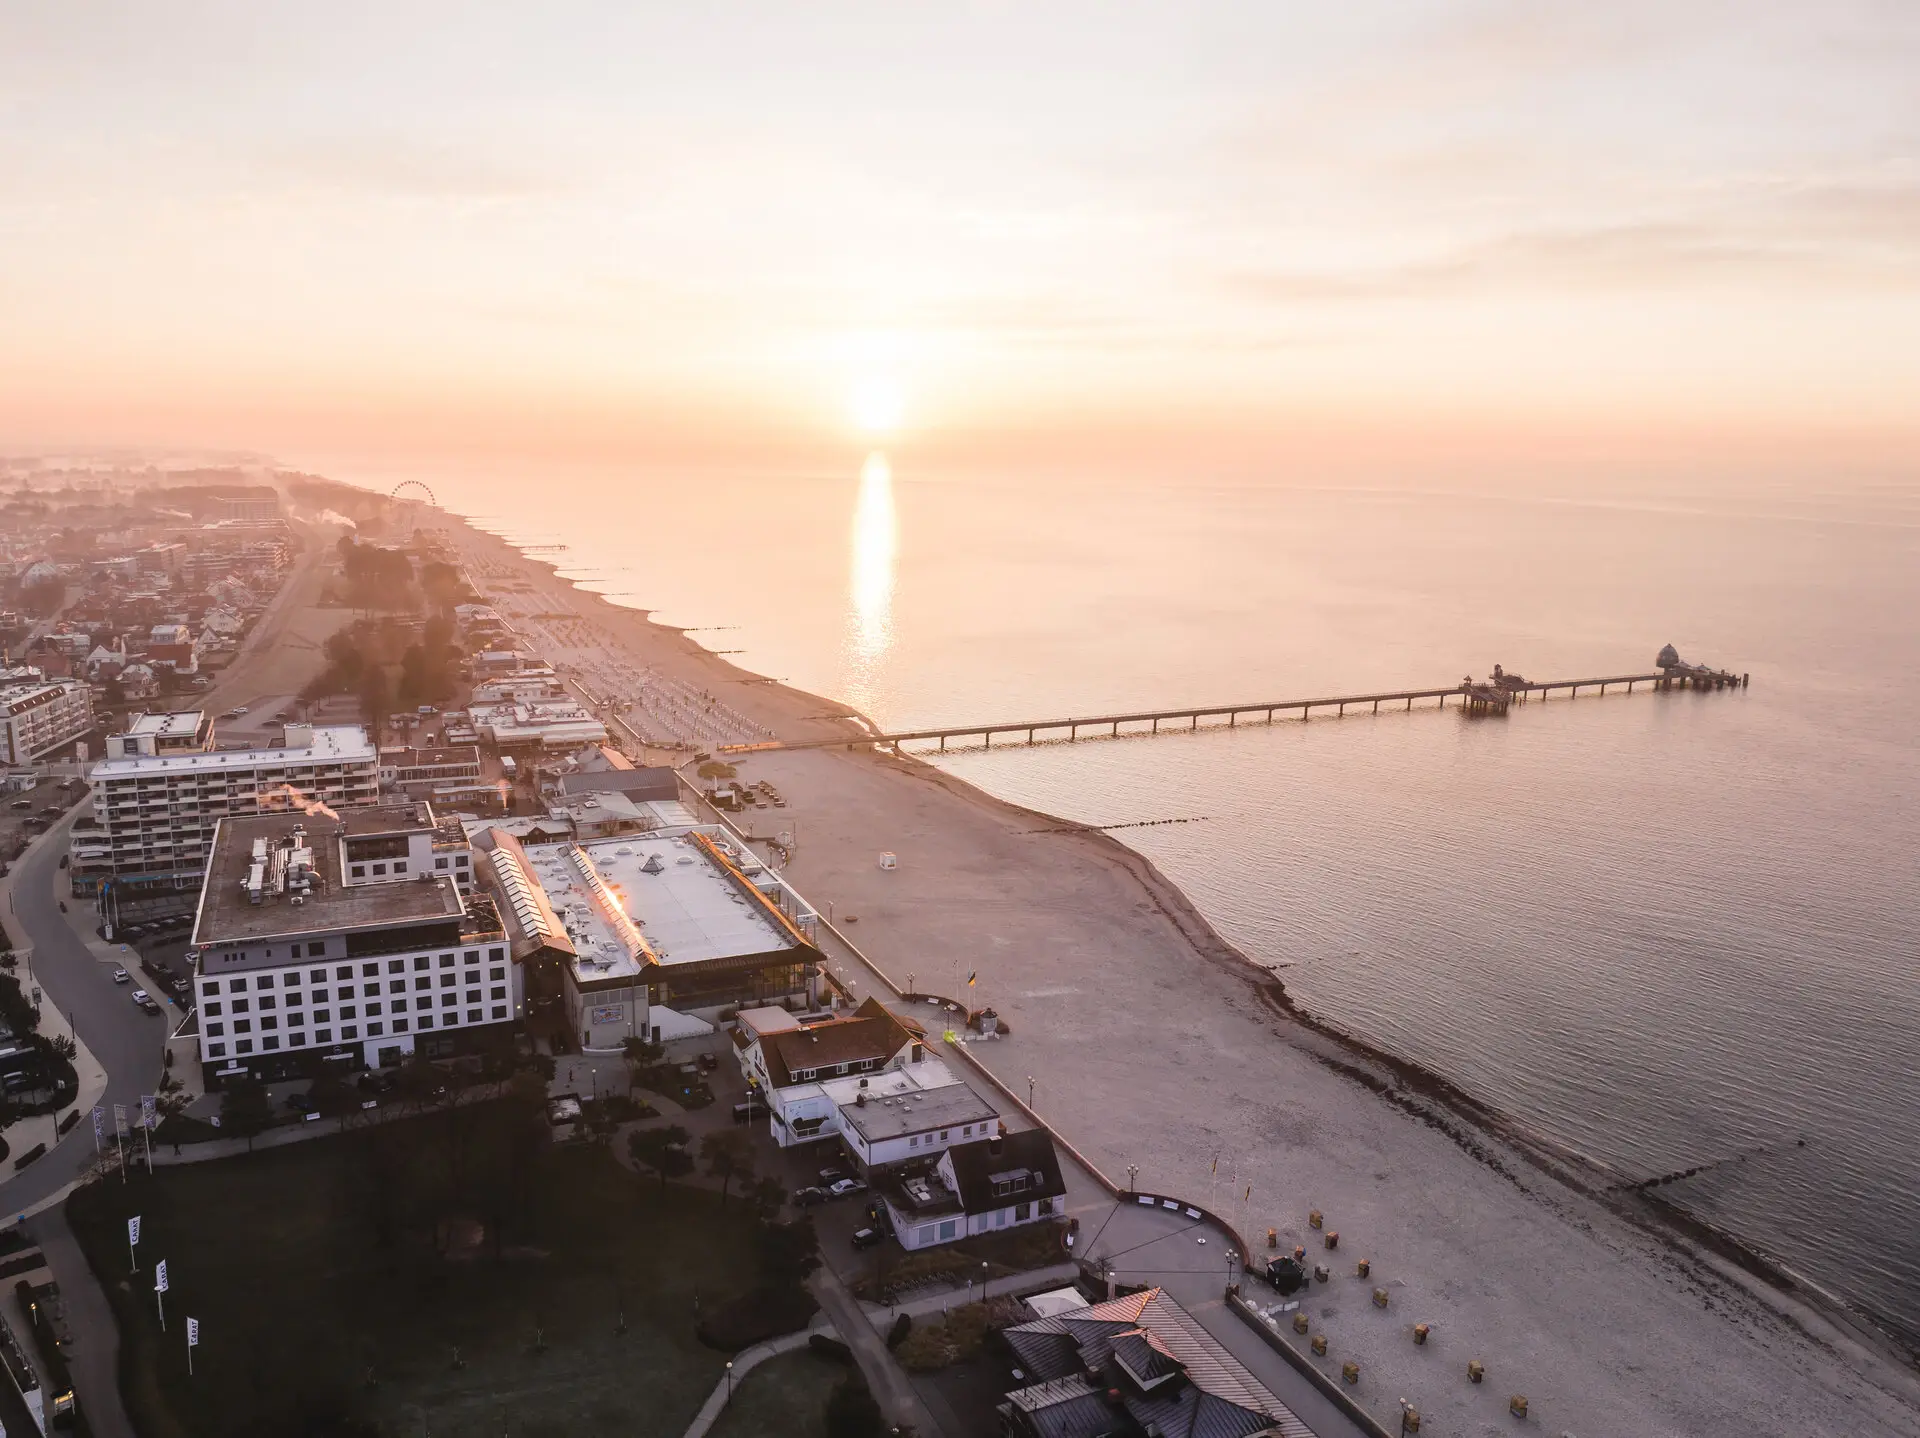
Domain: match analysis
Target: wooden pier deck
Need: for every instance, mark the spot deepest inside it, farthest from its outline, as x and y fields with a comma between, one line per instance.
x=1492, y=696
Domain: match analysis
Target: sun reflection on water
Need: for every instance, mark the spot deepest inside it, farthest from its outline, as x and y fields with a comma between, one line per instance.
x=875, y=548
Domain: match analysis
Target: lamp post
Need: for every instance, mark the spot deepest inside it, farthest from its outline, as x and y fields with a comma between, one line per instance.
x=1132, y=1169
x=729, y=1383
x=910, y=988
x=1029, y=1090
x=983, y=1280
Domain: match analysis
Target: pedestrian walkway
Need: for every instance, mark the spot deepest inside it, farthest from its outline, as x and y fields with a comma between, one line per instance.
x=886, y=1379
x=94, y=1355
x=744, y=1362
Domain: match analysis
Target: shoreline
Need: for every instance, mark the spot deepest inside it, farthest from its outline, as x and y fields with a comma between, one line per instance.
x=1494, y=1141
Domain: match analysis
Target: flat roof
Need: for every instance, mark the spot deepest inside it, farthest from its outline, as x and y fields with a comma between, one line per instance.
x=387, y=819
x=641, y=898
x=181, y=721
x=333, y=744
x=893, y=1110
x=228, y=916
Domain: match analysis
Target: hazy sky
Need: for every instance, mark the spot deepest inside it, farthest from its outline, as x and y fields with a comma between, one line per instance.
x=1060, y=232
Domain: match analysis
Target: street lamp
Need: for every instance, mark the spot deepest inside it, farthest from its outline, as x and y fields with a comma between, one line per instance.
x=983, y=1280
x=1029, y=1090
x=1132, y=1169
x=729, y=1383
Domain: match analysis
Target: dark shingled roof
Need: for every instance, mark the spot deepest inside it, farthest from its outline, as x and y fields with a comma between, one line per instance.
x=976, y=1165
x=1171, y=1375
x=871, y=1033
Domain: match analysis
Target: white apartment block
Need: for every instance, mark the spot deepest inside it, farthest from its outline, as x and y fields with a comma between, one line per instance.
x=38, y=718
x=155, y=813
x=323, y=942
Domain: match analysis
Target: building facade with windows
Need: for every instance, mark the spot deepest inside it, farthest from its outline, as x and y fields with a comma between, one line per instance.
x=155, y=813
x=302, y=965
x=991, y=1183
x=37, y=718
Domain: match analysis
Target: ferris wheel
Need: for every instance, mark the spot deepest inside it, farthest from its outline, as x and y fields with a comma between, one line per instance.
x=411, y=498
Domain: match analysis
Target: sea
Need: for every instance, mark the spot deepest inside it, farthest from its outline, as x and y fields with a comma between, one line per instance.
x=1677, y=932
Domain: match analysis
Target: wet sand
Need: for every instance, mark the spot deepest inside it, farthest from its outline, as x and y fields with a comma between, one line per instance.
x=1152, y=1042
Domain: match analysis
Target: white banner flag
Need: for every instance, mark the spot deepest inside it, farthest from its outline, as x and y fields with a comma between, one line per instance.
x=193, y=1333
x=149, y=1113
x=99, y=1123
x=160, y=1277
x=119, y=1119
x=133, y=1229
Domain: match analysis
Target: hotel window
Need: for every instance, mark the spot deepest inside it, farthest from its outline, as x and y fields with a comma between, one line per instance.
x=272, y=1043
x=215, y=1031
x=372, y=1009
x=396, y=986
x=498, y=991
x=497, y=974
x=425, y=1021
x=473, y=996
x=459, y=861
x=318, y=976
x=239, y=1006
x=425, y=981
x=499, y=1011
x=400, y=868
x=294, y=999
x=473, y=1016
x=375, y=1030
x=350, y=1032
x=470, y=956
x=264, y=981
x=269, y=1023
x=317, y=948
x=425, y=1001
x=399, y=1026
x=267, y=1002
x=447, y=980
x=359, y=871
x=211, y=1010
x=235, y=986
x=349, y=1012
x=216, y=1051
x=323, y=1036
x=396, y=966
x=496, y=954
x=446, y=961
x=369, y=991
x=345, y=971
x=368, y=971
x=447, y=1001
x=245, y=1046
x=419, y=962
x=439, y=863
x=294, y=1041
x=323, y=1016
x=379, y=869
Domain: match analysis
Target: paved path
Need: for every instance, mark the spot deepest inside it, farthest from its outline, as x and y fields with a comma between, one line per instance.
x=744, y=1362
x=886, y=1379
x=94, y=1354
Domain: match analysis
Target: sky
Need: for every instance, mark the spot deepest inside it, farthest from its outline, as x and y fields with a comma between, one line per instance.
x=1214, y=236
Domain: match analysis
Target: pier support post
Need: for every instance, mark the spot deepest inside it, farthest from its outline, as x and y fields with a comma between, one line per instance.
x=1231, y=718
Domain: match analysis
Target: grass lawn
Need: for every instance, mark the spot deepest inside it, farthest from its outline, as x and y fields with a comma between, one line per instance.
x=784, y=1397
x=334, y=1281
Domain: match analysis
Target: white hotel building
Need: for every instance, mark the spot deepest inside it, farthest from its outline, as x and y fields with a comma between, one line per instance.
x=37, y=718
x=156, y=801
x=345, y=942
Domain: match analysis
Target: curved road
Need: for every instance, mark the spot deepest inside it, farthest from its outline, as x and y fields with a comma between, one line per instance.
x=126, y=1042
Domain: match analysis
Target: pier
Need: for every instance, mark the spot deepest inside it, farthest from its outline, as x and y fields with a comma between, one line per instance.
x=1491, y=696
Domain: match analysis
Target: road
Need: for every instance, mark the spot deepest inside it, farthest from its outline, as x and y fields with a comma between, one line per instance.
x=127, y=1042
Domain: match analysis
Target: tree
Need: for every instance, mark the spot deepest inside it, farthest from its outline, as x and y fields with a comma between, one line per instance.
x=727, y=1157
x=245, y=1110
x=789, y=1252
x=715, y=769
x=664, y=1150
x=851, y=1411
x=641, y=1054
x=764, y=1198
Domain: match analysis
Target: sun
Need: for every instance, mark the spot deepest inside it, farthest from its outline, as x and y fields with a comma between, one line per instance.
x=877, y=405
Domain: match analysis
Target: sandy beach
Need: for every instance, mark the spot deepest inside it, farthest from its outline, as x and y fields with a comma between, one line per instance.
x=1151, y=1042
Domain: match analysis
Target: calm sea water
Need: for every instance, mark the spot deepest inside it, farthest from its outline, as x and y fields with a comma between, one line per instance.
x=1664, y=929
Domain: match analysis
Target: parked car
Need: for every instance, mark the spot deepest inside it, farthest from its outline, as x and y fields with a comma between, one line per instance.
x=744, y=1112
x=64, y=858
x=141, y=996
x=846, y=1188
x=808, y=1197
x=866, y=1237
x=709, y=1061
x=300, y=1103
x=831, y=1176
x=121, y=976
x=372, y=1082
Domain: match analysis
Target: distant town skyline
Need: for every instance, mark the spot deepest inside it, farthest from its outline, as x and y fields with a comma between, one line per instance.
x=1207, y=237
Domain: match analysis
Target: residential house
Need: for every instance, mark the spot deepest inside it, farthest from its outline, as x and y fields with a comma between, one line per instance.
x=991, y=1183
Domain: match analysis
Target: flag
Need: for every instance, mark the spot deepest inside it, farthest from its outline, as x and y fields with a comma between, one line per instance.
x=1248, y=1194
x=99, y=1122
x=149, y=1113
x=133, y=1229
x=971, y=977
x=119, y=1119
x=193, y=1333
x=160, y=1277
x=1216, y=1163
